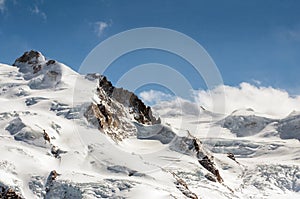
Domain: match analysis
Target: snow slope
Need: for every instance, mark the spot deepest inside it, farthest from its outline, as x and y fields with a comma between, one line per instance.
x=151, y=160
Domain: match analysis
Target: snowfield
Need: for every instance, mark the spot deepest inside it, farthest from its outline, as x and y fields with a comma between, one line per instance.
x=53, y=147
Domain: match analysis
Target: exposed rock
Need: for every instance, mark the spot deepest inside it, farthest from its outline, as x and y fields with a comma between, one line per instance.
x=106, y=121
x=46, y=136
x=209, y=165
x=30, y=57
x=196, y=145
x=8, y=193
x=210, y=177
x=49, y=62
x=41, y=73
x=231, y=156
x=50, y=180
x=114, y=110
x=182, y=186
x=143, y=113
x=56, y=152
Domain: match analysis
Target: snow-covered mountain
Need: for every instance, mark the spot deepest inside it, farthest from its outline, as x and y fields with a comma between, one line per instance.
x=66, y=135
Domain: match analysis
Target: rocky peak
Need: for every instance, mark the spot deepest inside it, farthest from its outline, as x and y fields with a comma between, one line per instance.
x=115, y=110
x=142, y=113
x=42, y=73
x=30, y=57
x=30, y=62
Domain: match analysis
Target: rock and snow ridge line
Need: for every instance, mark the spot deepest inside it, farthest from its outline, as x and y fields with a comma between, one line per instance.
x=42, y=74
x=27, y=160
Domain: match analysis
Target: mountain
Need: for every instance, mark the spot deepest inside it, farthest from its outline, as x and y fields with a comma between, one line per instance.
x=67, y=135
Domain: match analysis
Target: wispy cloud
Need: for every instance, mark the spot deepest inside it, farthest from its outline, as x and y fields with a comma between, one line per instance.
x=256, y=82
x=2, y=6
x=100, y=26
x=294, y=34
x=289, y=33
x=36, y=10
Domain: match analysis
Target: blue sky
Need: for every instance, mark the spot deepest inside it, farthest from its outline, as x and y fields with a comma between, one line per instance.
x=249, y=41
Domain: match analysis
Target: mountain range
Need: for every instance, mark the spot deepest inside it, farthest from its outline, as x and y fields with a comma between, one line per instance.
x=70, y=135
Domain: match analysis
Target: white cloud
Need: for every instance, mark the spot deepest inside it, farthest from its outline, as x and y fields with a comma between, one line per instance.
x=154, y=97
x=2, y=5
x=37, y=11
x=100, y=26
x=273, y=102
x=177, y=106
x=166, y=104
x=267, y=100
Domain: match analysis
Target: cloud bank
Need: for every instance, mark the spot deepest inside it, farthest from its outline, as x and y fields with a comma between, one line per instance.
x=266, y=100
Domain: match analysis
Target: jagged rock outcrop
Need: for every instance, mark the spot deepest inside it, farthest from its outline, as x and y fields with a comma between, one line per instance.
x=208, y=164
x=142, y=113
x=115, y=109
x=51, y=178
x=8, y=193
x=205, y=160
x=183, y=187
x=31, y=58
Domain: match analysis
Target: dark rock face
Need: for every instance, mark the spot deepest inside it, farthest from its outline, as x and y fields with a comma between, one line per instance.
x=143, y=113
x=8, y=193
x=205, y=161
x=182, y=186
x=209, y=165
x=29, y=57
x=30, y=62
x=49, y=62
x=115, y=109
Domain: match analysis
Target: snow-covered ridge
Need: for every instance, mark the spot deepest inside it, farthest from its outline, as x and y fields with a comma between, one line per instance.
x=54, y=145
x=248, y=123
x=40, y=72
